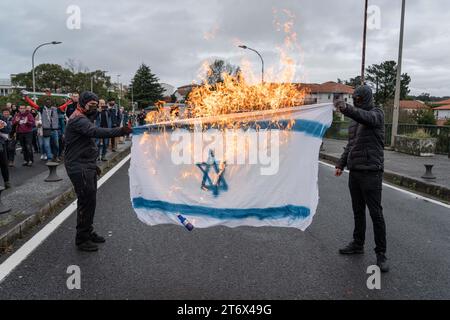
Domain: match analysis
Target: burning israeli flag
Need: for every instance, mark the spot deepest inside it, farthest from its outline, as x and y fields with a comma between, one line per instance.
x=202, y=173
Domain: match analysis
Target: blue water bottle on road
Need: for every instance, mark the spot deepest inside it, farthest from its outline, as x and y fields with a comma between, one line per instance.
x=185, y=222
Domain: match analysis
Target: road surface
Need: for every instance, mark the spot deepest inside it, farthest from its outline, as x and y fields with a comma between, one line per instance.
x=168, y=262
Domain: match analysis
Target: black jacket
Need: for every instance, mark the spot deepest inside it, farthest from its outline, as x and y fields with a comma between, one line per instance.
x=365, y=148
x=81, y=151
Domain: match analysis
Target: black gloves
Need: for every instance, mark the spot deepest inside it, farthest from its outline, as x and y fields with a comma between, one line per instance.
x=99, y=171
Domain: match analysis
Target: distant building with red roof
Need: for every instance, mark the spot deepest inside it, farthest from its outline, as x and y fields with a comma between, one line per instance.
x=443, y=102
x=412, y=105
x=325, y=92
x=442, y=114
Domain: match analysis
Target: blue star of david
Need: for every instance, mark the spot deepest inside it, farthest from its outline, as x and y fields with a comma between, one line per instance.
x=209, y=184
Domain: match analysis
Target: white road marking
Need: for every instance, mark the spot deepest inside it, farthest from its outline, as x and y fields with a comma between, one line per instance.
x=24, y=251
x=412, y=194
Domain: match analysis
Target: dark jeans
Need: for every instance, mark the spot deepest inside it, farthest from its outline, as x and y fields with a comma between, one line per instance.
x=11, y=149
x=85, y=185
x=4, y=162
x=365, y=189
x=26, y=140
x=36, y=147
x=102, y=145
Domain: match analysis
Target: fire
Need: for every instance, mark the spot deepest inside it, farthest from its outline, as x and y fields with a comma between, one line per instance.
x=237, y=94
x=242, y=93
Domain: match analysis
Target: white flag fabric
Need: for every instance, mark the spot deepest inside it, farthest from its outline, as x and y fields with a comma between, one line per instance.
x=262, y=174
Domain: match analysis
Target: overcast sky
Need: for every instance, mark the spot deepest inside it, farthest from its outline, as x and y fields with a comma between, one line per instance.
x=174, y=37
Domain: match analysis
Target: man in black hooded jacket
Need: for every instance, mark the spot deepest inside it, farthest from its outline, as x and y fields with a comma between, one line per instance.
x=80, y=157
x=364, y=157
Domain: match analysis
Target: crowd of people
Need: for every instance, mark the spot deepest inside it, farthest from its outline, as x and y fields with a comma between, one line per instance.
x=40, y=130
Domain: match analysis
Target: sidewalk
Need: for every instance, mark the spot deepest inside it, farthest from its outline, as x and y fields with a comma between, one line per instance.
x=36, y=200
x=404, y=170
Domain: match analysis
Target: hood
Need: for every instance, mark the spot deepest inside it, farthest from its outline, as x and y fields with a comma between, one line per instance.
x=363, y=97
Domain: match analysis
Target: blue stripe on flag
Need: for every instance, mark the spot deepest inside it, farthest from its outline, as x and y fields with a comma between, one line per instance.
x=309, y=127
x=288, y=211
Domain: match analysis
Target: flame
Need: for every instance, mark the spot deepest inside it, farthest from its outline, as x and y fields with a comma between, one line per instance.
x=243, y=92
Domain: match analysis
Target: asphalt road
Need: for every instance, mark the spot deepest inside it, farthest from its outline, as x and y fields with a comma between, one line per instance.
x=20, y=174
x=168, y=262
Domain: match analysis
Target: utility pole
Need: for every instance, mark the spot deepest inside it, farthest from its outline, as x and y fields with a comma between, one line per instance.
x=118, y=86
x=363, y=61
x=399, y=78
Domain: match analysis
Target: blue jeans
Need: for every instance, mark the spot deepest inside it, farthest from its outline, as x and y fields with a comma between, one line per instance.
x=102, y=145
x=50, y=142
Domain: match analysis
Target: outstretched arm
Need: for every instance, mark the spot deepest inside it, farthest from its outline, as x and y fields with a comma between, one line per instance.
x=31, y=102
x=372, y=118
x=87, y=128
x=63, y=107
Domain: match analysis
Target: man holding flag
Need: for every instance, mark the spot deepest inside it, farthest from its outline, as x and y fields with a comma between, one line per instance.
x=80, y=156
x=364, y=157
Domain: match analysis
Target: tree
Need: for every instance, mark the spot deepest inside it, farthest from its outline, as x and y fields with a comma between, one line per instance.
x=64, y=80
x=382, y=78
x=217, y=69
x=425, y=117
x=146, y=87
x=47, y=76
x=353, y=82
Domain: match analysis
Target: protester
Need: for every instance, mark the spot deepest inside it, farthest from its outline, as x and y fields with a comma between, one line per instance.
x=80, y=157
x=141, y=117
x=115, y=120
x=5, y=129
x=364, y=157
x=24, y=131
x=10, y=144
x=35, y=143
x=40, y=136
x=123, y=121
x=103, y=120
x=72, y=106
x=61, y=129
x=13, y=110
x=50, y=126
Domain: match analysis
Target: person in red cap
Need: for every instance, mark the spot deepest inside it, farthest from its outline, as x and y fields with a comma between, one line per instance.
x=80, y=155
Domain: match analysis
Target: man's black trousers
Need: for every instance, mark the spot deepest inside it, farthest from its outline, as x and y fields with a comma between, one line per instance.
x=365, y=189
x=26, y=141
x=85, y=184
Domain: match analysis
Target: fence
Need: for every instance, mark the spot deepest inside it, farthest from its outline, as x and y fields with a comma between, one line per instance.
x=339, y=130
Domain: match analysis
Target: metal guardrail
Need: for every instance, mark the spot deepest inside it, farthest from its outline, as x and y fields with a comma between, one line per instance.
x=339, y=130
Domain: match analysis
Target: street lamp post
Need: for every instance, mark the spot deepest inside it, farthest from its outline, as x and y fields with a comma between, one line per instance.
x=92, y=84
x=262, y=60
x=399, y=79
x=32, y=62
x=118, y=85
x=132, y=97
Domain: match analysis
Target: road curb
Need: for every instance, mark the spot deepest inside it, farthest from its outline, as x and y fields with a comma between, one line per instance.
x=433, y=190
x=40, y=215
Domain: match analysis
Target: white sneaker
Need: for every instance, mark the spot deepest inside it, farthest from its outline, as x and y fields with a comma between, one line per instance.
x=42, y=157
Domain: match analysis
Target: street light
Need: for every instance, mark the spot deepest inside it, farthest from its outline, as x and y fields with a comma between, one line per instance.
x=118, y=84
x=132, y=97
x=262, y=60
x=32, y=62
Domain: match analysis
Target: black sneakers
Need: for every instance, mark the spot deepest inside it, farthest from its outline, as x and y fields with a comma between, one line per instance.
x=97, y=239
x=382, y=262
x=88, y=246
x=352, y=248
